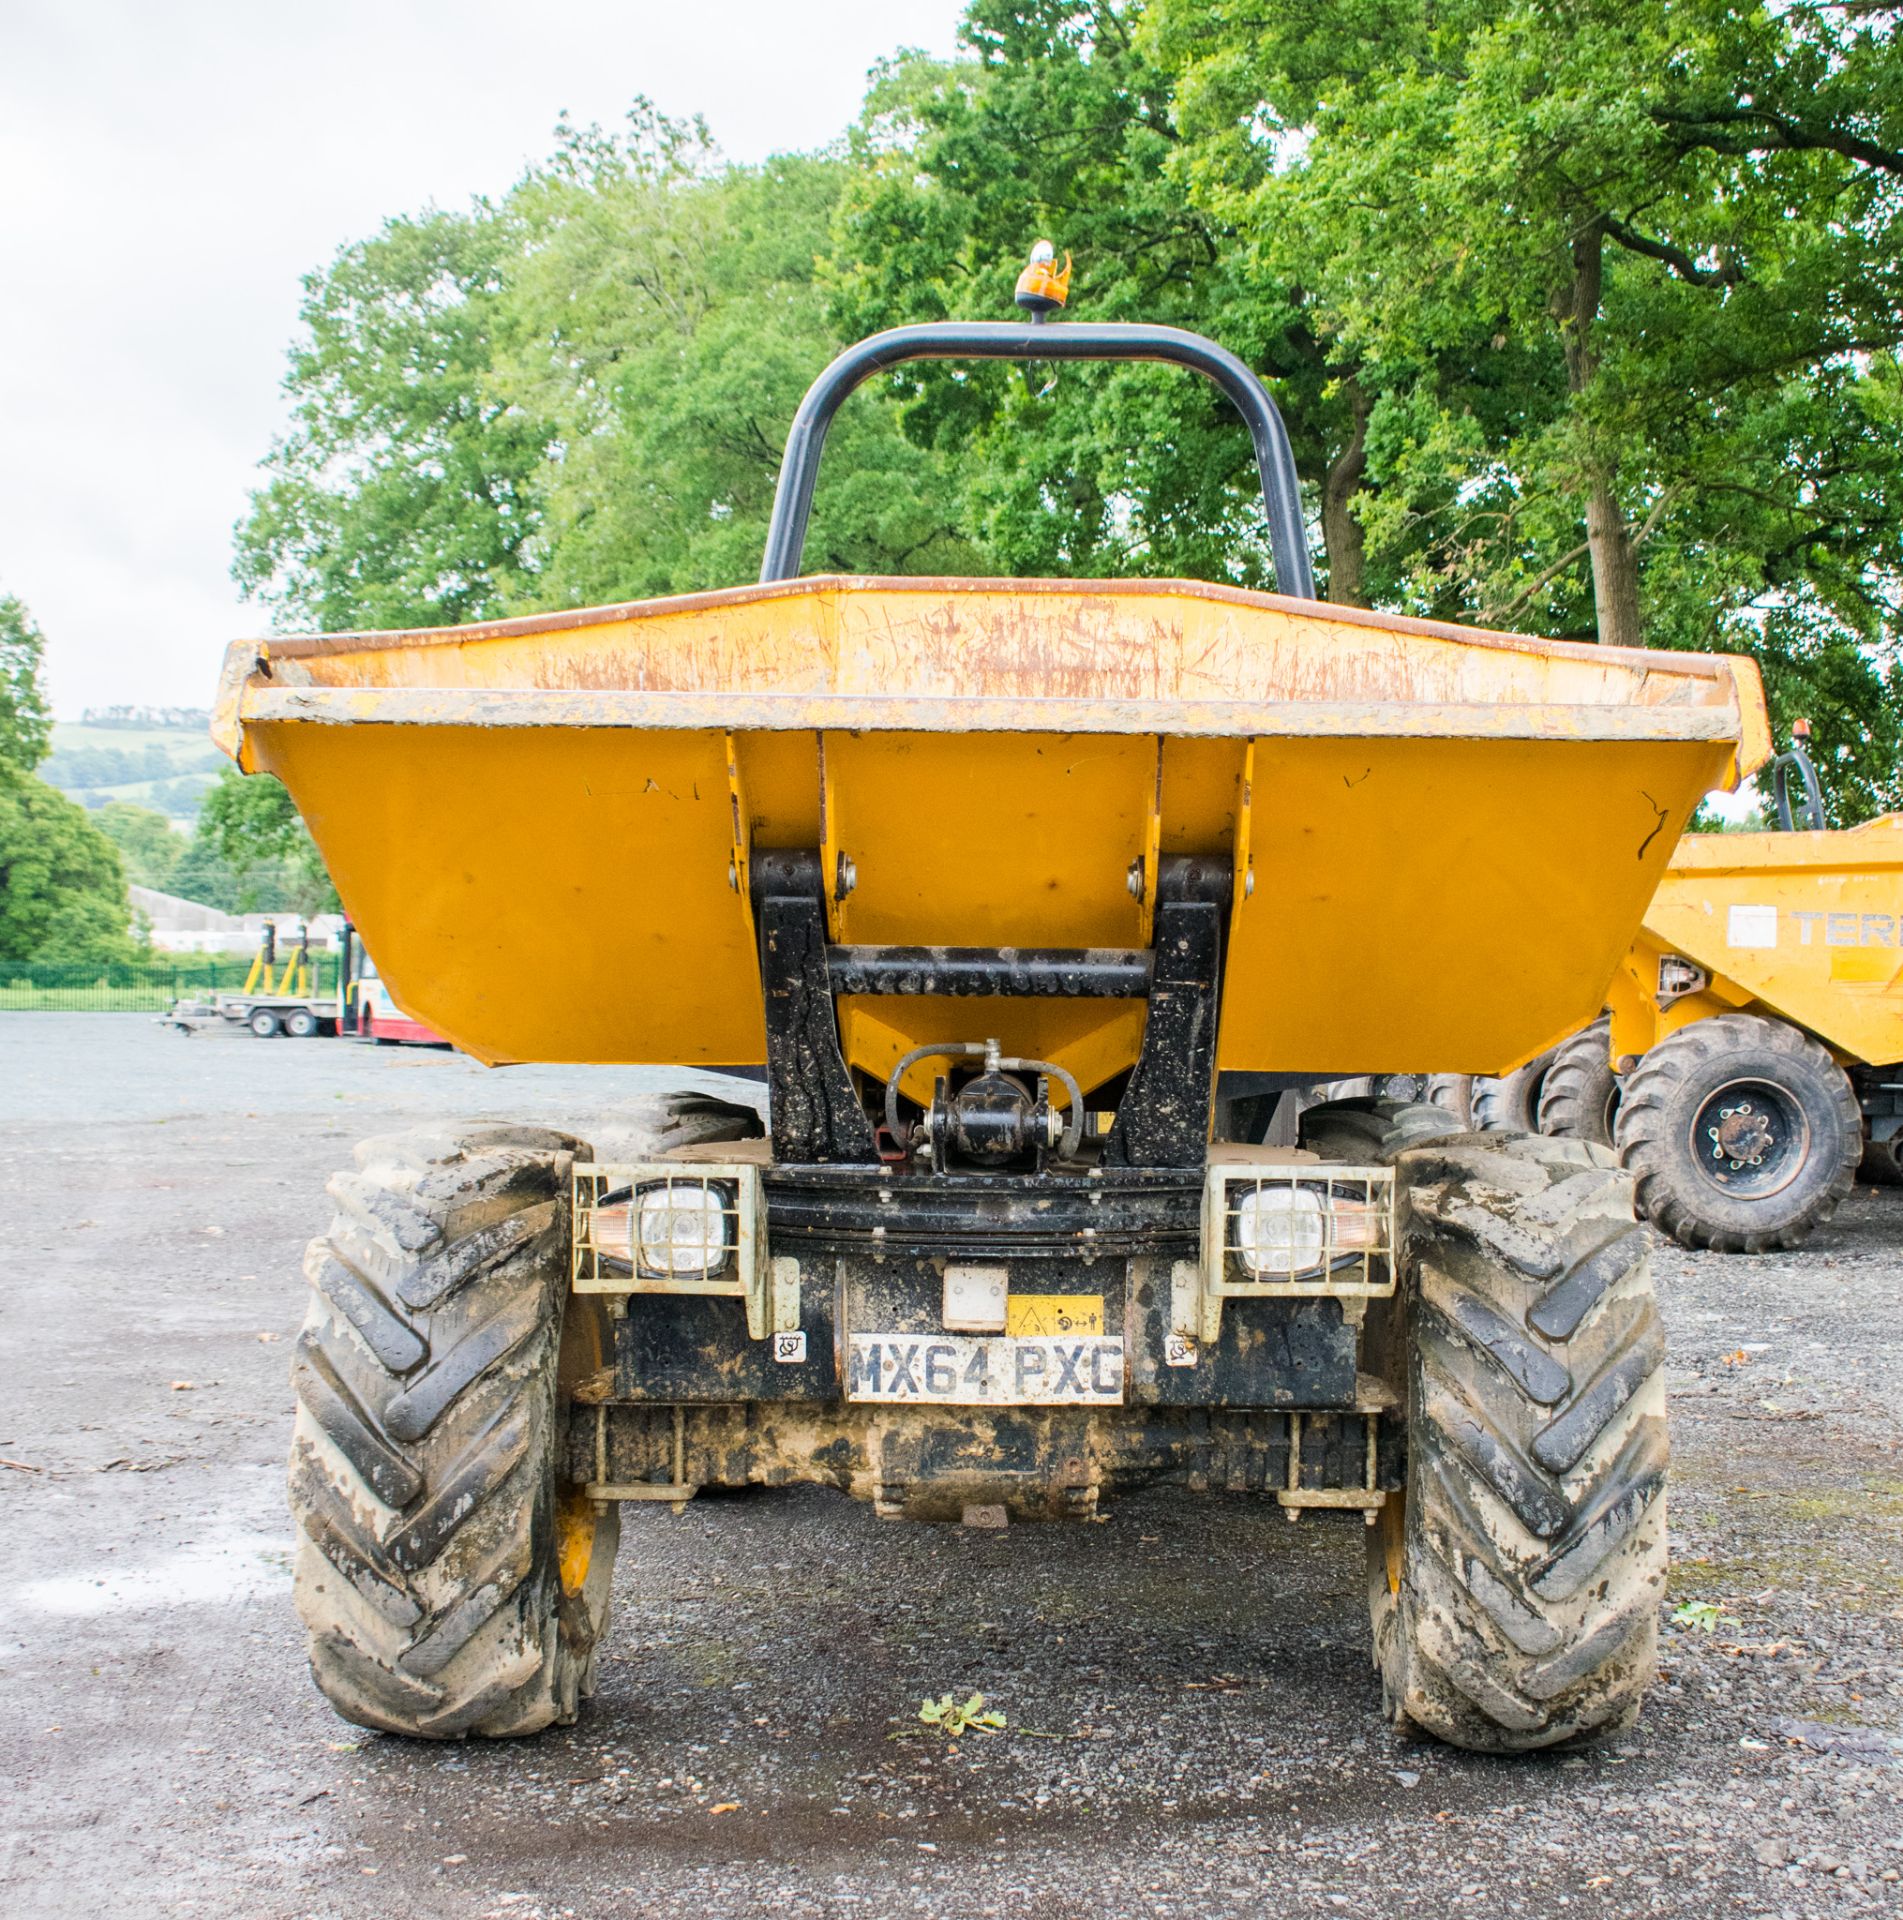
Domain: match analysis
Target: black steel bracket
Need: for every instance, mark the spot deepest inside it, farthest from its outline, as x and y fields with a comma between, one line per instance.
x=1164, y=1115
x=815, y=1114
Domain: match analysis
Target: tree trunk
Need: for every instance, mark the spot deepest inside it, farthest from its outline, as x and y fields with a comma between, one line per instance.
x=1341, y=531
x=1615, y=569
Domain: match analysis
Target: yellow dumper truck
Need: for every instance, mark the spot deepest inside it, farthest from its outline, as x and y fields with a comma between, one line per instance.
x=1758, y=1023
x=1750, y=1060
x=1024, y=897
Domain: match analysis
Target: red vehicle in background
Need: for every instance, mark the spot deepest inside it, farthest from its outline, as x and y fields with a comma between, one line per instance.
x=366, y=1010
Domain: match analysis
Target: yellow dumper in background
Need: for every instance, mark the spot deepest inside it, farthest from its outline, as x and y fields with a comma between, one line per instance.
x=1759, y=1021
x=1022, y=897
x=1749, y=1058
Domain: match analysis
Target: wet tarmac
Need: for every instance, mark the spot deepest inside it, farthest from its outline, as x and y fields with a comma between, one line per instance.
x=1191, y=1724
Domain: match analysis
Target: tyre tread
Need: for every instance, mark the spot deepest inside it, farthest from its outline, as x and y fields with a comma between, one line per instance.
x=1534, y=1547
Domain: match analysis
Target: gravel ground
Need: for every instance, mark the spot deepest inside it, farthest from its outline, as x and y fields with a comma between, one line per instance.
x=1192, y=1724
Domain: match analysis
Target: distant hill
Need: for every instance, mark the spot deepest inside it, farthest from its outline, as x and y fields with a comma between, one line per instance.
x=148, y=719
x=166, y=763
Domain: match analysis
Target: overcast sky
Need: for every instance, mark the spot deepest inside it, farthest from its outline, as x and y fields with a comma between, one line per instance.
x=168, y=170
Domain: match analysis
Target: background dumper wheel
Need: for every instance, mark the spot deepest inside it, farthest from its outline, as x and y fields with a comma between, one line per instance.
x=1369, y=1132
x=1453, y=1093
x=1579, y=1097
x=1879, y=1166
x=1515, y=1584
x=450, y=1582
x=1742, y=1133
x=1510, y=1102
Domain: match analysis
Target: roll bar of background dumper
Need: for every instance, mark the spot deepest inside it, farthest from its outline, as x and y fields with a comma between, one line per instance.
x=1007, y=340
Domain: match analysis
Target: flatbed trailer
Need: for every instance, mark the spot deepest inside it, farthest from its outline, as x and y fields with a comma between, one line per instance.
x=272, y=1001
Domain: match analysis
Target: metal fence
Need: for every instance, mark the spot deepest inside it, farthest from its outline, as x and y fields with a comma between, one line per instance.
x=135, y=986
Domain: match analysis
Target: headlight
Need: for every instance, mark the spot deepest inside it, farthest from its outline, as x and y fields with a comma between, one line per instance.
x=1289, y=1229
x=671, y=1230
x=1279, y=1230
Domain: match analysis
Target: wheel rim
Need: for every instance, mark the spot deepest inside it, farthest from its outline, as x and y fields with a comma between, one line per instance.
x=1749, y=1138
x=575, y=1523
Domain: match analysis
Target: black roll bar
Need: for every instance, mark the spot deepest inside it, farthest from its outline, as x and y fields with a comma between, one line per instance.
x=1009, y=340
x=1798, y=761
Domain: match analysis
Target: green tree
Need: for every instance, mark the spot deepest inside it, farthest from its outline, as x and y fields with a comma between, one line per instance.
x=148, y=843
x=402, y=494
x=26, y=721
x=1058, y=126
x=203, y=874
x=1673, y=229
x=1585, y=318
x=250, y=823
x=577, y=394
x=62, y=888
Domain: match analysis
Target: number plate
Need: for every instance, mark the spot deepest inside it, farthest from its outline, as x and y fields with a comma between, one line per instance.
x=1005, y=1371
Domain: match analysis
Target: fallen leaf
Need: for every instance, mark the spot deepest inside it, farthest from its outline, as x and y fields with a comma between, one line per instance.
x=184, y=1386
x=725, y=1806
x=20, y=1466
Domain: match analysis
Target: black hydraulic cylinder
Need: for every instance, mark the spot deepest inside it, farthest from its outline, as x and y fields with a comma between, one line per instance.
x=1083, y=973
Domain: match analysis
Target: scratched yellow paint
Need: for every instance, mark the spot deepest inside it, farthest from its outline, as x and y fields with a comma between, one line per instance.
x=1443, y=841
x=1804, y=926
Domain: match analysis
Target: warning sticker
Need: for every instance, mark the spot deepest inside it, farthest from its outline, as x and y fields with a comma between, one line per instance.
x=1047, y=1315
x=1751, y=927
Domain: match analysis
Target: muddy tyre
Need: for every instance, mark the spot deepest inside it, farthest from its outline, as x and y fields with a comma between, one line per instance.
x=1371, y=1132
x=1742, y=1133
x=1515, y=1584
x=1510, y=1103
x=448, y=1583
x=1579, y=1097
x=1453, y=1093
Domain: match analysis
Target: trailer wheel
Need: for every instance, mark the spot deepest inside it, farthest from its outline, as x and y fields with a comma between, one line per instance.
x=302, y=1024
x=1510, y=1103
x=1743, y=1134
x=1515, y=1582
x=264, y=1023
x=1579, y=1098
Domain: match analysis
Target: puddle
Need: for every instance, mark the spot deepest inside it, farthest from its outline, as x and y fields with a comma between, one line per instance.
x=235, y=1567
